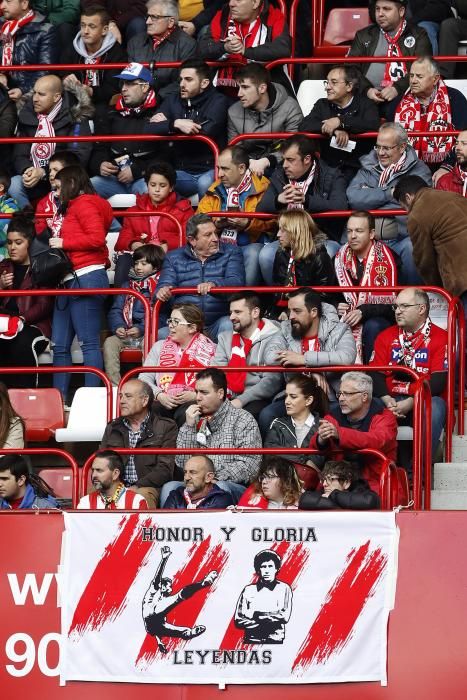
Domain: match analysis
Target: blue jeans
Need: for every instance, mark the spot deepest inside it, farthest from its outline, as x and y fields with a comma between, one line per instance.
x=81, y=316
x=234, y=489
x=108, y=186
x=251, y=253
x=23, y=195
x=189, y=184
x=432, y=29
x=403, y=247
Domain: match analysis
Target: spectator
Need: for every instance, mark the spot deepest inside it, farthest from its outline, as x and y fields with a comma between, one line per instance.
x=139, y=425
x=254, y=341
x=429, y=105
x=373, y=188
x=92, y=46
x=35, y=311
x=20, y=489
x=456, y=179
x=359, y=421
x=239, y=189
x=344, y=112
x=128, y=19
x=428, y=14
x=199, y=490
x=305, y=404
x=160, y=198
x=198, y=108
x=341, y=489
x=7, y=206
x=163, y=41
x=364, y=262
x=418, y=343
x=63, y=15
x=203, y=263
x=452, y=31
x=50, y=204
x=110, y=492
x=8, y=121
x=303, y=181
x=51, y=111
x=185, y=347
x=214, y=422
x=276, y=486
x=126, y=317
x=119, y=167
x=392, y=36
x=26, y=39
x=262, y=106
x=246, y=31
x=315, y=338
x=11, y=424
x=301, y=259
x=86, y=220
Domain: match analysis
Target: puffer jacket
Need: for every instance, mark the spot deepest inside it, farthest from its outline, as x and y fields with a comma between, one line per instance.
x=364, y=191
x=35, y=43
x=73, y=119
x=181, y=268
x=282, y=114
x=59, y=11
x=137, y=228
x=177, y=47
x=359, y=496
x=84, y=229
x=36, y=310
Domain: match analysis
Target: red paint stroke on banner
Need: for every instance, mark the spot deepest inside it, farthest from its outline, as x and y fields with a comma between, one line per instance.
x=294, y=558
x=332, y=628
x=105, y=595
x=201, y=560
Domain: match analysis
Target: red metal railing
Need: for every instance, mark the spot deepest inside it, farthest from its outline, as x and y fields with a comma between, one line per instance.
x=56, y=453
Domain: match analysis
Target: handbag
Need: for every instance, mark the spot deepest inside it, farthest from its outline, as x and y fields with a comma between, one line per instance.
x=49, y=267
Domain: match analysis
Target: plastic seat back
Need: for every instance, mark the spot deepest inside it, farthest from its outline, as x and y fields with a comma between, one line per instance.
x=343, y=23
x=41, y=410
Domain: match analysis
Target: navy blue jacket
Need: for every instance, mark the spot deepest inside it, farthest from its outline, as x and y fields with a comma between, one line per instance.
x=115, y=316
x=181, y=268
x=216, y=498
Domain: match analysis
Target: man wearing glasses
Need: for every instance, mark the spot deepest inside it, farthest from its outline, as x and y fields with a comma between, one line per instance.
x=373, y=188
x=418, y=343
x=164, y=41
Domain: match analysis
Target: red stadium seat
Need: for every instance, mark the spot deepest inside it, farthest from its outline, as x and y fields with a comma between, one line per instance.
x=343, y=23
x=60, y=479
x=131, y=355
x=41, y=410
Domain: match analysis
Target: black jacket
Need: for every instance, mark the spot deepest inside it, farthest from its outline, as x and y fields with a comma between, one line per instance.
x=209, y=106
x=8, y=120
x=108, y=85
x=429, y=10
x=281, y=433
x=358, y=497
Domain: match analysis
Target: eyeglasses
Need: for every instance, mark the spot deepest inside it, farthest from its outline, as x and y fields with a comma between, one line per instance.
x=155, y=18
x=385, y=149
x=268, y=477
x=403, y=307
x=333, y=82
x=347, y=394
x=175, y=322
x=328, y=479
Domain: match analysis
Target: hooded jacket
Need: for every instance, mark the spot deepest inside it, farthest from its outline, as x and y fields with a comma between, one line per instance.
x=31, y=500
x=259, y=386
x=84, y=229
x=364, y=191
x=73, y=119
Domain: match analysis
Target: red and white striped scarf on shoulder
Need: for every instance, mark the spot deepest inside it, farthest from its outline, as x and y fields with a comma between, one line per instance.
x=241, y=348
x=303, y=186
x=8, y=31
x=397, y=69
x=388, y=172
x=42, y=152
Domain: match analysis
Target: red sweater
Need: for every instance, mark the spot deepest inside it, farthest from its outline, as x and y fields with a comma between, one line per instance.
x=84, y=230
x=160, y=229
x=452, y=182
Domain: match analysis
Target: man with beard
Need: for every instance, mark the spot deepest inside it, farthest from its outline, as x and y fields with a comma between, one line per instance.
x=110, y=491
x=456, y=179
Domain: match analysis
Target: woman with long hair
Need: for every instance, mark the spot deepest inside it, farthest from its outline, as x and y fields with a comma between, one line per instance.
x=24, y=348
x=11, y=424
x=276, y=486
x=86, y=219
x=185, y=346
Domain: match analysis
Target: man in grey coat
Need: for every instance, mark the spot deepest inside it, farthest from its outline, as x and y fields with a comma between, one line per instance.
x=373, y=188
x=254, y=341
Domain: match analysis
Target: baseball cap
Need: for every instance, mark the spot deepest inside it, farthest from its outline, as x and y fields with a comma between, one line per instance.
x=135, y=71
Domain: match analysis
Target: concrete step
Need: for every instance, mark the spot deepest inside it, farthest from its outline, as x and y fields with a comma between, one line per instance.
x=450, y=476
x=459, y=448
x=449, y=500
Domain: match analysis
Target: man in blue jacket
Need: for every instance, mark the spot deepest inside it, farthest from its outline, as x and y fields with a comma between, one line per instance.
x=20, y=489
x=199, y=490
x=203, y=263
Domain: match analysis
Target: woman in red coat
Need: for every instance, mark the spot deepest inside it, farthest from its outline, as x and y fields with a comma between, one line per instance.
x=159, y=230
x=86, y=221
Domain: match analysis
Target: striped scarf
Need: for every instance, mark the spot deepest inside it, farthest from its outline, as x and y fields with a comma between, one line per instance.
x=396, y=70
x=388, y=172
x=241, y=348
x=42, y=152
x=8, y=32
x=303, y=186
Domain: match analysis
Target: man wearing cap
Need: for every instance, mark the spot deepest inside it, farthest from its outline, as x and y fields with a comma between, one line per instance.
x=119, y=166
x=392, y=36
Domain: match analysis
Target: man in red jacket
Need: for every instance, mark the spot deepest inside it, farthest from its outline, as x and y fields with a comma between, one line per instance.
x=358, y=422
x=456, y=179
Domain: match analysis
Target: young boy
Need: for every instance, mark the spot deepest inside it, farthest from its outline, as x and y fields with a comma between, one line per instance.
x=126, y=317
x=7, y=206
x=49, y=204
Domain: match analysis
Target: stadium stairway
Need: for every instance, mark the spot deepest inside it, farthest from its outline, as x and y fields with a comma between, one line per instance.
x=450, y=479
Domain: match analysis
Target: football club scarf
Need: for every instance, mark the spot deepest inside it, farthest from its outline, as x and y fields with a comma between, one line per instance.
x=388, y=172
x=303, y=186
x=395, y=70
x=157, y=40
x=197, y=354
x=8, y=32
x=147, y=286
x=42, y=152
x=251, y=33
x=149, y=103
x=241, y=348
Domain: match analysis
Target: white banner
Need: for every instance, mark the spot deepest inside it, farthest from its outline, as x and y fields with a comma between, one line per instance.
x=209, y=597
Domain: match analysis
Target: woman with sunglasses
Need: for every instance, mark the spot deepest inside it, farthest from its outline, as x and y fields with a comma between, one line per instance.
x=185, y=346
x=277, y=486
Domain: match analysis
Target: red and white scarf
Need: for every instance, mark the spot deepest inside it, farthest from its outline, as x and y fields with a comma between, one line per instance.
x=198, y=354
x=192, y=505
x=290, y=281
x=311, y=344
x=252, y=34
x=10, y=326
x=55, y=221
x=157, y=40
x=303, y=186
x=147, y=286
x=410, y=343
x=395, y=70
x=233, y=193
x=379, y=271
x=438, y=118
x=41, y=153
x=8, y=32
x=241, y=348
x=149, y=103
x=388, y=172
